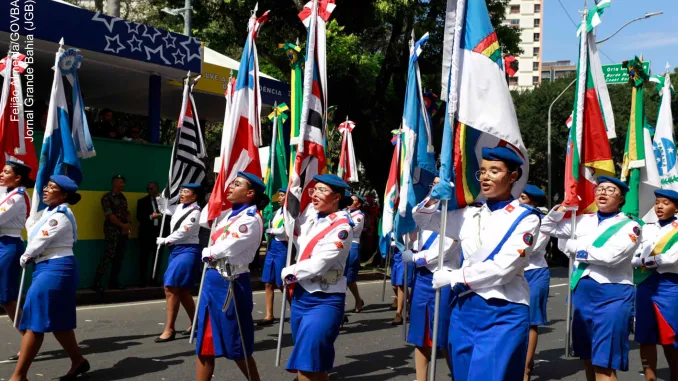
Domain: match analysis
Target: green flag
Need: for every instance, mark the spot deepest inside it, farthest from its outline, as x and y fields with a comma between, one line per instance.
x=276, y=173
x=634, y=151
x=293, y=53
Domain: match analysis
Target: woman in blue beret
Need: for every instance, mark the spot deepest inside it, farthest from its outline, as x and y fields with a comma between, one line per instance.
x=317, y=280
x=537, y=275
x=227, y=283
x=184, y=260
x=14, y=209
x=602, y=282
x=398, y=268
x=50, y=301
x=353, y=262
x=656, y=277
x=276, y=258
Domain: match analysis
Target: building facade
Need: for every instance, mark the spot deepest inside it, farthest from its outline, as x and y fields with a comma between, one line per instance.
x=527, y=16
x=552, y=70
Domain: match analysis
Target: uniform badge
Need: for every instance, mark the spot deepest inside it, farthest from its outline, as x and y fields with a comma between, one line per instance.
x=636, y=231
x=528, y=239
x=11, y=201
x=521, y=252
x=187, y=228
x=45, y=233
x=242, y=228
x=633, y=238
x=509, y=208
x=235, y=235
x=193, y=219
x=339, y=245
x=359, y=219
x=675, y=224
x=343, y=235
x=53, y=223
x=3, y=210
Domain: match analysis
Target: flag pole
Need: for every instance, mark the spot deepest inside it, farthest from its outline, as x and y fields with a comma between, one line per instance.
x=18, y=303
x=568, y=317
x=436, y=313
x=388, y=257
x=169, y=183
x=404, y=316
x=283, y=307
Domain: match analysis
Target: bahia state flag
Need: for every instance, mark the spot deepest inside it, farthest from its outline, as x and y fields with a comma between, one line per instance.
x=664, y=142
x=348, y=168
x=588, y=149
x=390, y=200
x=473, y=79
x=418, y=166
x=58, y=154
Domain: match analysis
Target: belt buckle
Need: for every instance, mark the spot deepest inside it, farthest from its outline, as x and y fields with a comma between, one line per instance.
x=323, y=284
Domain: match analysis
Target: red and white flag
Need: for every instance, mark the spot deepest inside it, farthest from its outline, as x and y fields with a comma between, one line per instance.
x=15, y=144
x=310, y=159
x=348, y=170
x=242, y=125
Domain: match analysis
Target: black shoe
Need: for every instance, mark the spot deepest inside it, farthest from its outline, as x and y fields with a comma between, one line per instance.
x=13, y=358
x=81, y=369
x=398, y=320
x=265, y=322
x=186, y=332
x=171, y=338
x=345, y=319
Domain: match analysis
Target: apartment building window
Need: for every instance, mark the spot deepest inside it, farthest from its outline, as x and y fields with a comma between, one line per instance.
x=537, y=37
x=535, y=52
x=537, y=23
x=515, y=9
x=515, y=23
x=513, y=81
x=537, y=8
x=535, y=66
x=535, y=80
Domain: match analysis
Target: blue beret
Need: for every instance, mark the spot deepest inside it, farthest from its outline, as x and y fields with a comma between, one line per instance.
x=65, y=183
x=283, y=190
x=667, y=193
x=256, y=182
x=18, y=165
x=609, y=179
x=118, y=177
x=333, y=181
x=359, y=197
x=192, y=186
x=534, y=192
x=504, y=154
x=347, y=193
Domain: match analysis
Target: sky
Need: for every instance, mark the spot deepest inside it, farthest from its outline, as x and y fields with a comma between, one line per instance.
x=655, y=38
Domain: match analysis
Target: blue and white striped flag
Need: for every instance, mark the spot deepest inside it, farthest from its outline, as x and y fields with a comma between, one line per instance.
x=70, y=64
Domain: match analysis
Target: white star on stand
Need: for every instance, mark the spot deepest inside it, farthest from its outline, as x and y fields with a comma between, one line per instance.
x=152, y=38
x=108, y=47
x=176, y=56
x=167, y=40
x=132, y=29
x=135, y=43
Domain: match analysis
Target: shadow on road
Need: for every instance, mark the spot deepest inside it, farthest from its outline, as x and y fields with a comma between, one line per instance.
x=556, y=367
x=98, y=346
x=131, y=367
x=393, y=361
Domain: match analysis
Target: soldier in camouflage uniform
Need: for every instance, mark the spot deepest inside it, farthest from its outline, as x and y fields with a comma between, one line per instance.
x=116, y=232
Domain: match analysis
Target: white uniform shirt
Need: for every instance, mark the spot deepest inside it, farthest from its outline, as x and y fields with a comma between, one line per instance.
x=652, y=234
x=189, y=229
x=13, y=210
x=536, y=259
x=51, y=236
x=608, y=264
x=479, y=231
x=240, y=238
x=328, y=255
x=358, y=218
x=278, y=220
x=430, y=256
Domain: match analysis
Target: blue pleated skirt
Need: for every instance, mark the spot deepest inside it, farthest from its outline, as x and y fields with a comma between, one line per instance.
x=601, y=323
x=183, y=266
x=315, y=320
x=11, y=249
x=422, y=311
x=221, y=338
x=397, y=271
x=352, y=263
x=275, y=261
x=538, y=280
x=488, y=339
x=50, y=301
x=657, y=310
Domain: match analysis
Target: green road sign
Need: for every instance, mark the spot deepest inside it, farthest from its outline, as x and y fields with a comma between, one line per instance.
x=616, y=74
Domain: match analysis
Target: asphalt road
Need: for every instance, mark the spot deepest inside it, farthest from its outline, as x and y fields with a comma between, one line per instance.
x=117, y=339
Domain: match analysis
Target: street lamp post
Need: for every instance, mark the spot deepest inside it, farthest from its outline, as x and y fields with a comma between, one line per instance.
x=185, y=12
x=548, y=132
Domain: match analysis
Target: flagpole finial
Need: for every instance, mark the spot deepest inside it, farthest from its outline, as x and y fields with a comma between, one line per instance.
x=61, y=43
x=256, y=8
x=668, y=66
x=297, y=43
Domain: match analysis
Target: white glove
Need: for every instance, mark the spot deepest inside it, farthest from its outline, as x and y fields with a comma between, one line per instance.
x=571, y=247
x=407, y=256
x=637, y=261
x=160, y=241
x=207, y=255
x=23, y=261
x=441, y=278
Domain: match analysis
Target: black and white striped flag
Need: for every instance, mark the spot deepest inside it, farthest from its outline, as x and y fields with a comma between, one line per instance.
x=189, y=149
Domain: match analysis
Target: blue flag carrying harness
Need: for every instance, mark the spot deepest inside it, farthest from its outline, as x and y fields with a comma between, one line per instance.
x=529, y=210
x=429, y=241
x=49, y=213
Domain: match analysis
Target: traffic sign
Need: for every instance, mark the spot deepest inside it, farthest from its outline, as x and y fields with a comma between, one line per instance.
x=616, y=74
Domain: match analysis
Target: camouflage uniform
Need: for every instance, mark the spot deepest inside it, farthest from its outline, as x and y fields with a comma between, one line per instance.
x=116, y=241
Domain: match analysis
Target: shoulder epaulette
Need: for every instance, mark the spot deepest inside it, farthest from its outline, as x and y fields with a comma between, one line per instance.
x=62, y=209
x=196, y=206
x=350, y=220
x=21, y=190
x=251, y=211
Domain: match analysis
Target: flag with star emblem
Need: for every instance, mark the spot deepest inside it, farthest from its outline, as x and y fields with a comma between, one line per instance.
x=664, y=142
x=242, y=126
